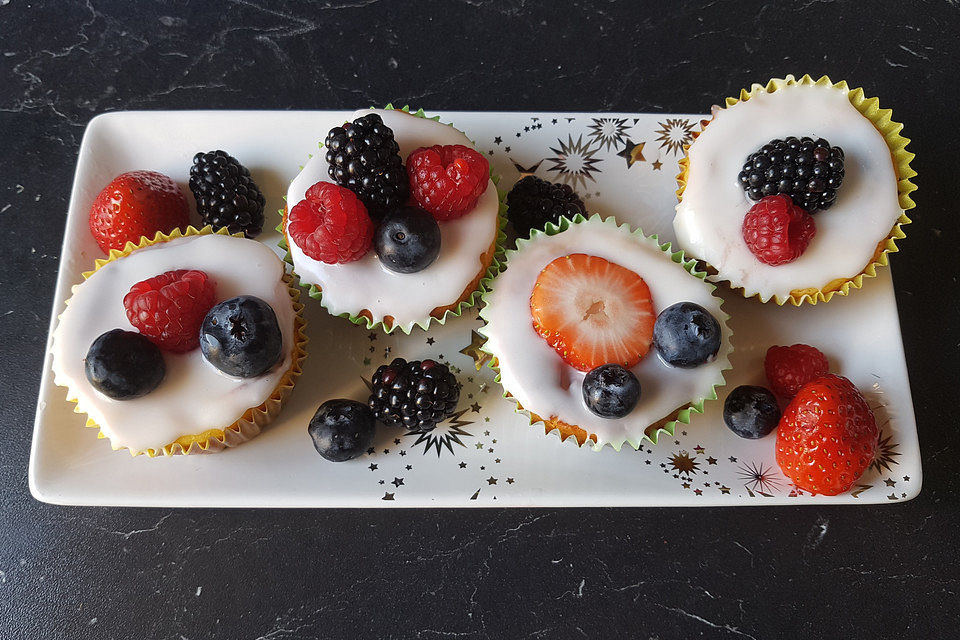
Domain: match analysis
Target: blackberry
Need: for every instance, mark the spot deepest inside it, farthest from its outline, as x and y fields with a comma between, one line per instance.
x=226, y=195
x=533, y=202
x=414, y=395
x=365, y=158
x=809, y=171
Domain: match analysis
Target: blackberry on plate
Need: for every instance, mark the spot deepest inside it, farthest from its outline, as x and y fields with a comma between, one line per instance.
x=414, y=395
x=226, y=194
x=534, y=202
x=365, y=158
x=809, y=171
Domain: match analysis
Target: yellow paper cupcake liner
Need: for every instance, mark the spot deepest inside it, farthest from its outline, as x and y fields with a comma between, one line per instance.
x=667, y=425
x=254, y=419
x=884, y=123
x=457, y=308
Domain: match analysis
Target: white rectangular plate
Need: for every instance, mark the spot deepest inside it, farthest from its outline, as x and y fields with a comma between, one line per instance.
x=624, y=165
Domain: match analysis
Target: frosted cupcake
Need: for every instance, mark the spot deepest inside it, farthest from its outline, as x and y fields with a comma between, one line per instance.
x=182, y=344
x=796, y=191
x=395, y=223
x=602, y=335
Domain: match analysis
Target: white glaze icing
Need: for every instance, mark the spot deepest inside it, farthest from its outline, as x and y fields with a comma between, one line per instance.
x=194, y=396
x=365, y=283
x=543, y=383
x=709, y=217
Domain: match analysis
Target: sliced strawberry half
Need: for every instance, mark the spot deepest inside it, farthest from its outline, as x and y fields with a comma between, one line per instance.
x=593, y=312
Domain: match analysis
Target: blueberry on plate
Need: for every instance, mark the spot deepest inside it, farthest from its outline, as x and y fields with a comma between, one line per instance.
x=124, y=365
x=686, y=335
x=342, y=429
x=751, y=412
x=241, y=337
x=611, y=391
x=407, y=240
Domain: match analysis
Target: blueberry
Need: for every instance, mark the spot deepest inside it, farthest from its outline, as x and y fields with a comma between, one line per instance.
x=751, y=412
x=686, y=335
x=408, y=240
x=342, y=429
x=124, y=365
x=611, y=391
x=241, y=337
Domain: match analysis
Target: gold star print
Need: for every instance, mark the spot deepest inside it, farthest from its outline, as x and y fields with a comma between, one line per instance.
x=724, y=489
x=684, y=464
x=656, y=165
x=525, y=171
x=632, y=153
x=473, y=350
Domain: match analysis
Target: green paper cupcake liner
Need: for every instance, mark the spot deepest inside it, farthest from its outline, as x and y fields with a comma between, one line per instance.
x=890, y=130
x=472, y=300
x=684, y=414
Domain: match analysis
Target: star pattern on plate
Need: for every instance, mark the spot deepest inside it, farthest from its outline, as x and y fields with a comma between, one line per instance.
x=444, y=435
x=574, y=162
x=632, y=153
x=607, y=133
x=674, y=133
x=760, y=479
x=474, y=349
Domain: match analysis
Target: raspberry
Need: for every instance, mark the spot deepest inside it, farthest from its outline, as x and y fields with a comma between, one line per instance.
x=331, y=224
x=789, y=368
x=169, y=308
x=777, y=231
x=447, y=180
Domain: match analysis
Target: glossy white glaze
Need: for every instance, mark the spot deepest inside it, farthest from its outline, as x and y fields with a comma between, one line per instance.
x=365, y=283
x=710, y=215
x=194, y=396
x=543, y=383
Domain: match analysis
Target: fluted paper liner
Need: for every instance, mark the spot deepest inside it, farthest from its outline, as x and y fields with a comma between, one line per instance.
x=882, y=120
x=254, y=419
x=650, y=433
x=457, y=307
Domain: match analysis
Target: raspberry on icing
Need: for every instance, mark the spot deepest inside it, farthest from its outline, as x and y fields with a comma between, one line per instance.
x=777, y=231
x=331, y=224
x=169, y=308
x=447, y=180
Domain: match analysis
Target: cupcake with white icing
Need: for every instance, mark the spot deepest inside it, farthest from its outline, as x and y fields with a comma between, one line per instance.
x=795, y=191
x=603, y=335
x=396, y=223
x=185, y=343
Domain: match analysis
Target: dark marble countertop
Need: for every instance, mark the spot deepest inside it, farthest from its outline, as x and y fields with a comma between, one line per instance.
x=731, y=573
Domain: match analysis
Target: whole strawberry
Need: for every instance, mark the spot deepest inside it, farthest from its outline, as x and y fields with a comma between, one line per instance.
x=777, y=231
x=447, y=180
x=827, y=436
x=789, y=368
x=135, y=204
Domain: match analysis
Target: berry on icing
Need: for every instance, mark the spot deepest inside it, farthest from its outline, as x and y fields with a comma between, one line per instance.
x=777, y=231
x=447, y=180
x=331, y=224
x=169, y=308
x=593, y=312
